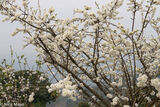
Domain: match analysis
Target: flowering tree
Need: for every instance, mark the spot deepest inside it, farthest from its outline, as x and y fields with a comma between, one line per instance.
x=99, y=58
x=23, y=87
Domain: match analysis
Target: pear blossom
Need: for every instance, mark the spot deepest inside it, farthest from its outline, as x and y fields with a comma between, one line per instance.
x=42, y=78
x=156, y=83
x=115, y=101
x=158, y=94
x=109, y=95
x=31, y=97
x=142, y=79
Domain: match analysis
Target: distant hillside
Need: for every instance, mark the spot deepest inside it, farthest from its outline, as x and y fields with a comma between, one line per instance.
x=63, y=102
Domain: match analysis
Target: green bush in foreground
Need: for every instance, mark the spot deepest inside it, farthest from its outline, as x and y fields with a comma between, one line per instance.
x=24, y=87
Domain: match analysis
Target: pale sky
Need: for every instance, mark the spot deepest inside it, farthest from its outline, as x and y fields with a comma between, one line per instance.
x=64, y=9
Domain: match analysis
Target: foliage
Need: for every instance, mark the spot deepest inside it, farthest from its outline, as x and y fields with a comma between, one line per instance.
x=24, y=86
x=94, y=48
x=83, y=104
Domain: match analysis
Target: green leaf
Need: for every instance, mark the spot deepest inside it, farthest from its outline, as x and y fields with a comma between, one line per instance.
x=22, y=56
x=38, y=62
x=1, y=69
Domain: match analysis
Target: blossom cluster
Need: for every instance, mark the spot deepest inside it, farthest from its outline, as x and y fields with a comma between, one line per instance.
x=142, y=79
x=156, y=84
x=65, y=87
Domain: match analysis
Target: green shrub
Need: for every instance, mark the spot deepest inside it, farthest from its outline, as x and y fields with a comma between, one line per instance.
x=83, y=104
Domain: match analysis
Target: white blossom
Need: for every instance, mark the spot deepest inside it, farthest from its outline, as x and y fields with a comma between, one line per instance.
x=156, y=83
x=115, y=101
x=158, y=94
x=42, y=78
x=142, y=79
x=109, y=96
x=31, y=97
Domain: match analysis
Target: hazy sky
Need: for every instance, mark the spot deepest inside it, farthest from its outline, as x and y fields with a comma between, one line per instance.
x=64, y=8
